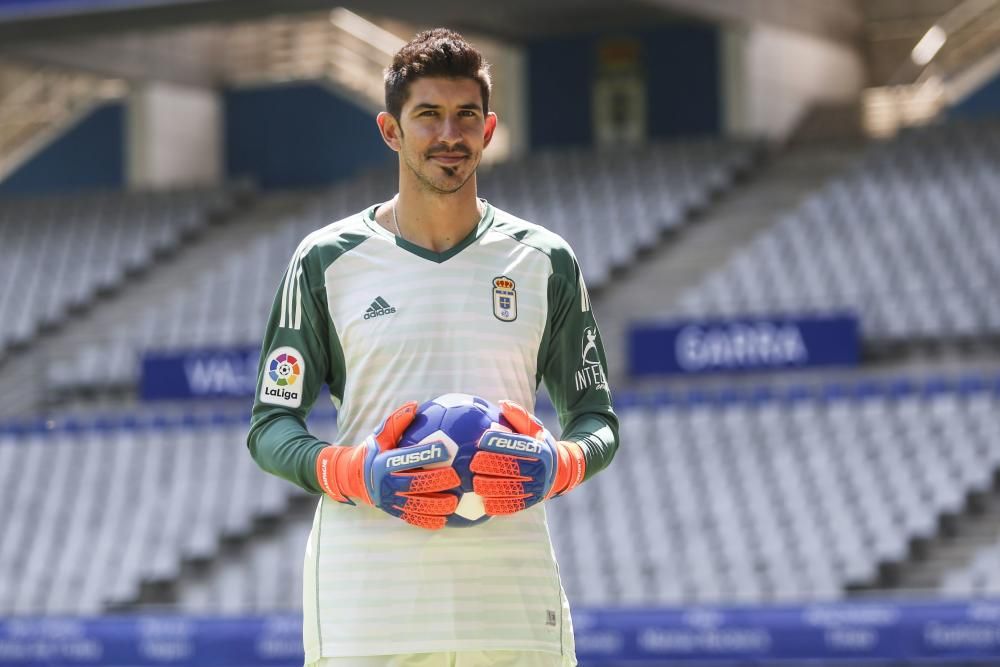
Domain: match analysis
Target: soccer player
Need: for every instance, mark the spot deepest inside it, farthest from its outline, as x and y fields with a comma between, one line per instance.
x=432, y=292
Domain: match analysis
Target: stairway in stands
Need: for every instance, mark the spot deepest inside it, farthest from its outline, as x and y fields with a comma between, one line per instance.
x=216, y=585
x=777, y=185
x=958, y=540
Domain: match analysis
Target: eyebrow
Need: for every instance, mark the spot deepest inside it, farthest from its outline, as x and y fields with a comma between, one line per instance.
x=428, y=105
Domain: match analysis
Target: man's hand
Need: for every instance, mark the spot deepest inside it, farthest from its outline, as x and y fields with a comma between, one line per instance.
x=513, y=471
x=377, y=473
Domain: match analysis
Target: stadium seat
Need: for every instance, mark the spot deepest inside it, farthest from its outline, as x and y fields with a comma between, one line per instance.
x=145, y=499
x=907, y=239
x=58, y=253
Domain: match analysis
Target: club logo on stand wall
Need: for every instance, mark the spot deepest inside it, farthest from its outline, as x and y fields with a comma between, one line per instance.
x=504, y=299
x=282, y=383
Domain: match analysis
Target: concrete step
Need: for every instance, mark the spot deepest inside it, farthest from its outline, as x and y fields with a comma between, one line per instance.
x=962, y=537
x=204, y=575
x=201, y=580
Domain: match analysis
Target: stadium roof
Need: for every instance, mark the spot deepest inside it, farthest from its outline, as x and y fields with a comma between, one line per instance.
x=48, y=20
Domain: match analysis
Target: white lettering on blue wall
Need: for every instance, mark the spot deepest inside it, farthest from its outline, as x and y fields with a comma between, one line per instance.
x=736, y=346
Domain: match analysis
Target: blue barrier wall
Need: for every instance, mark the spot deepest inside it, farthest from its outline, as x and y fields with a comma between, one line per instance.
x=742, y=344
x=848, y=633
x=199, y=373
x=299, y=135
x=873, y=633
x=681, y=63
x=89, y=155
x=231, y=373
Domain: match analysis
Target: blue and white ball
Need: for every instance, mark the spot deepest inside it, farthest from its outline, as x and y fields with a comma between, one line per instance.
x=457, y=421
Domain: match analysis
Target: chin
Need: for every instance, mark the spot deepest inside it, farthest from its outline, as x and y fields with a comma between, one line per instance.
x=450, y=185
x=448, y=189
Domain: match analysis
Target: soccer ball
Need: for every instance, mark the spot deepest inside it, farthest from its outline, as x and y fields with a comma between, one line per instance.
x=457, y=421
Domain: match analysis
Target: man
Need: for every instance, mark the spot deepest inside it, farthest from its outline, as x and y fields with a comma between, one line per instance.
x=435, y=291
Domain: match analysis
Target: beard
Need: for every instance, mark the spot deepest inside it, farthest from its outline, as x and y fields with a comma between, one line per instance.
x=442, y=179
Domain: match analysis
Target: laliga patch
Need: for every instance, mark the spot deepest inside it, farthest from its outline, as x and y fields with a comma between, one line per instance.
x=504, y=299
x=284, y=375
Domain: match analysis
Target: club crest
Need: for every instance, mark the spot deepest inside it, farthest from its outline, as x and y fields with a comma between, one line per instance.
x=504, y=299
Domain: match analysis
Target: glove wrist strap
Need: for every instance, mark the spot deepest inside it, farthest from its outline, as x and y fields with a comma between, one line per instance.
x=340, y=473
x=572, y=467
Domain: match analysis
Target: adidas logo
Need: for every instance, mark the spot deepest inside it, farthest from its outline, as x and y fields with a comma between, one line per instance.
x=379, y=307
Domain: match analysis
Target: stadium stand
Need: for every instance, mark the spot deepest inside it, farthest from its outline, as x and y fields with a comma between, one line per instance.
x=821, y=516
x=648, y=197
x=149, y=493
x=770, y=495
x=908, y=239
x=58, y=254
x=273, y=561
x=581, y=194
x=794, y=497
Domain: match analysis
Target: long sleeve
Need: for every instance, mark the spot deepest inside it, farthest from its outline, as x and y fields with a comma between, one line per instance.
x=573, y=365
x=300, y=353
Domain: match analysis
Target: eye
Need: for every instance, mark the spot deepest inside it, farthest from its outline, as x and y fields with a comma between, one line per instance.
x=429, y=112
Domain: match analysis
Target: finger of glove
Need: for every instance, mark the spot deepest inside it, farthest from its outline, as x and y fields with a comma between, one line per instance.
x=504, y=506
x=504, y=476
x=498, y=465
x=435, y=504
x=425, y=481
x=498, y=487
x=425, y=521
x=416, y=481
x=520, y=419
x=419, y=519
x=389, y=434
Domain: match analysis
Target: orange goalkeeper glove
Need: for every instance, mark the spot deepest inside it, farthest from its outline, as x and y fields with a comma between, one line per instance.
x=376, y=473
x=513, y=471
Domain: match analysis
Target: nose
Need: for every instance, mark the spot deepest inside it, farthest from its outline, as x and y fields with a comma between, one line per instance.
x=450, y=132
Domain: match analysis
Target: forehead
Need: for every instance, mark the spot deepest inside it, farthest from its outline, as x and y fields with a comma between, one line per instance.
x=444, y=91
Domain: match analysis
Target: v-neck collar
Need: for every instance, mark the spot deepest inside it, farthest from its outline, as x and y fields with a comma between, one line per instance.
x=430, y=255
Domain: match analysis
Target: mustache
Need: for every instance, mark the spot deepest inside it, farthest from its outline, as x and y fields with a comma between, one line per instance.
x=440, y=148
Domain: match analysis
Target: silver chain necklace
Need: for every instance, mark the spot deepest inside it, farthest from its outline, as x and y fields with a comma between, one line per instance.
x=395, y=201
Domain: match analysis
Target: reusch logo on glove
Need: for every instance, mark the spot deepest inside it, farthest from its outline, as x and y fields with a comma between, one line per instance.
x=415, y=457
x=507, y=442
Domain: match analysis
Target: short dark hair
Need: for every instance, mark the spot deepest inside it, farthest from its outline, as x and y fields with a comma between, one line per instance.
x=438, y=52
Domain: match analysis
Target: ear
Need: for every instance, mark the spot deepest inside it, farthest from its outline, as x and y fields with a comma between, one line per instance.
x=388, y=126
x=490, y=127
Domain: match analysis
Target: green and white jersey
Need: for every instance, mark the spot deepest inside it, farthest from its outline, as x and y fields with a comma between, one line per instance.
x=382, y=321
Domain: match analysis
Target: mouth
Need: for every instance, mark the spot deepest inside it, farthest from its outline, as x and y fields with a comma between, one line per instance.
x=450, y=160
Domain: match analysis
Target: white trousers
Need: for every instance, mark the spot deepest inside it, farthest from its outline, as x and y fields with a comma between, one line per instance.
x=458, y=659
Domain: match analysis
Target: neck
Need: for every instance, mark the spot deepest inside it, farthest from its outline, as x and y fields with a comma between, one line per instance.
x=435, y=221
